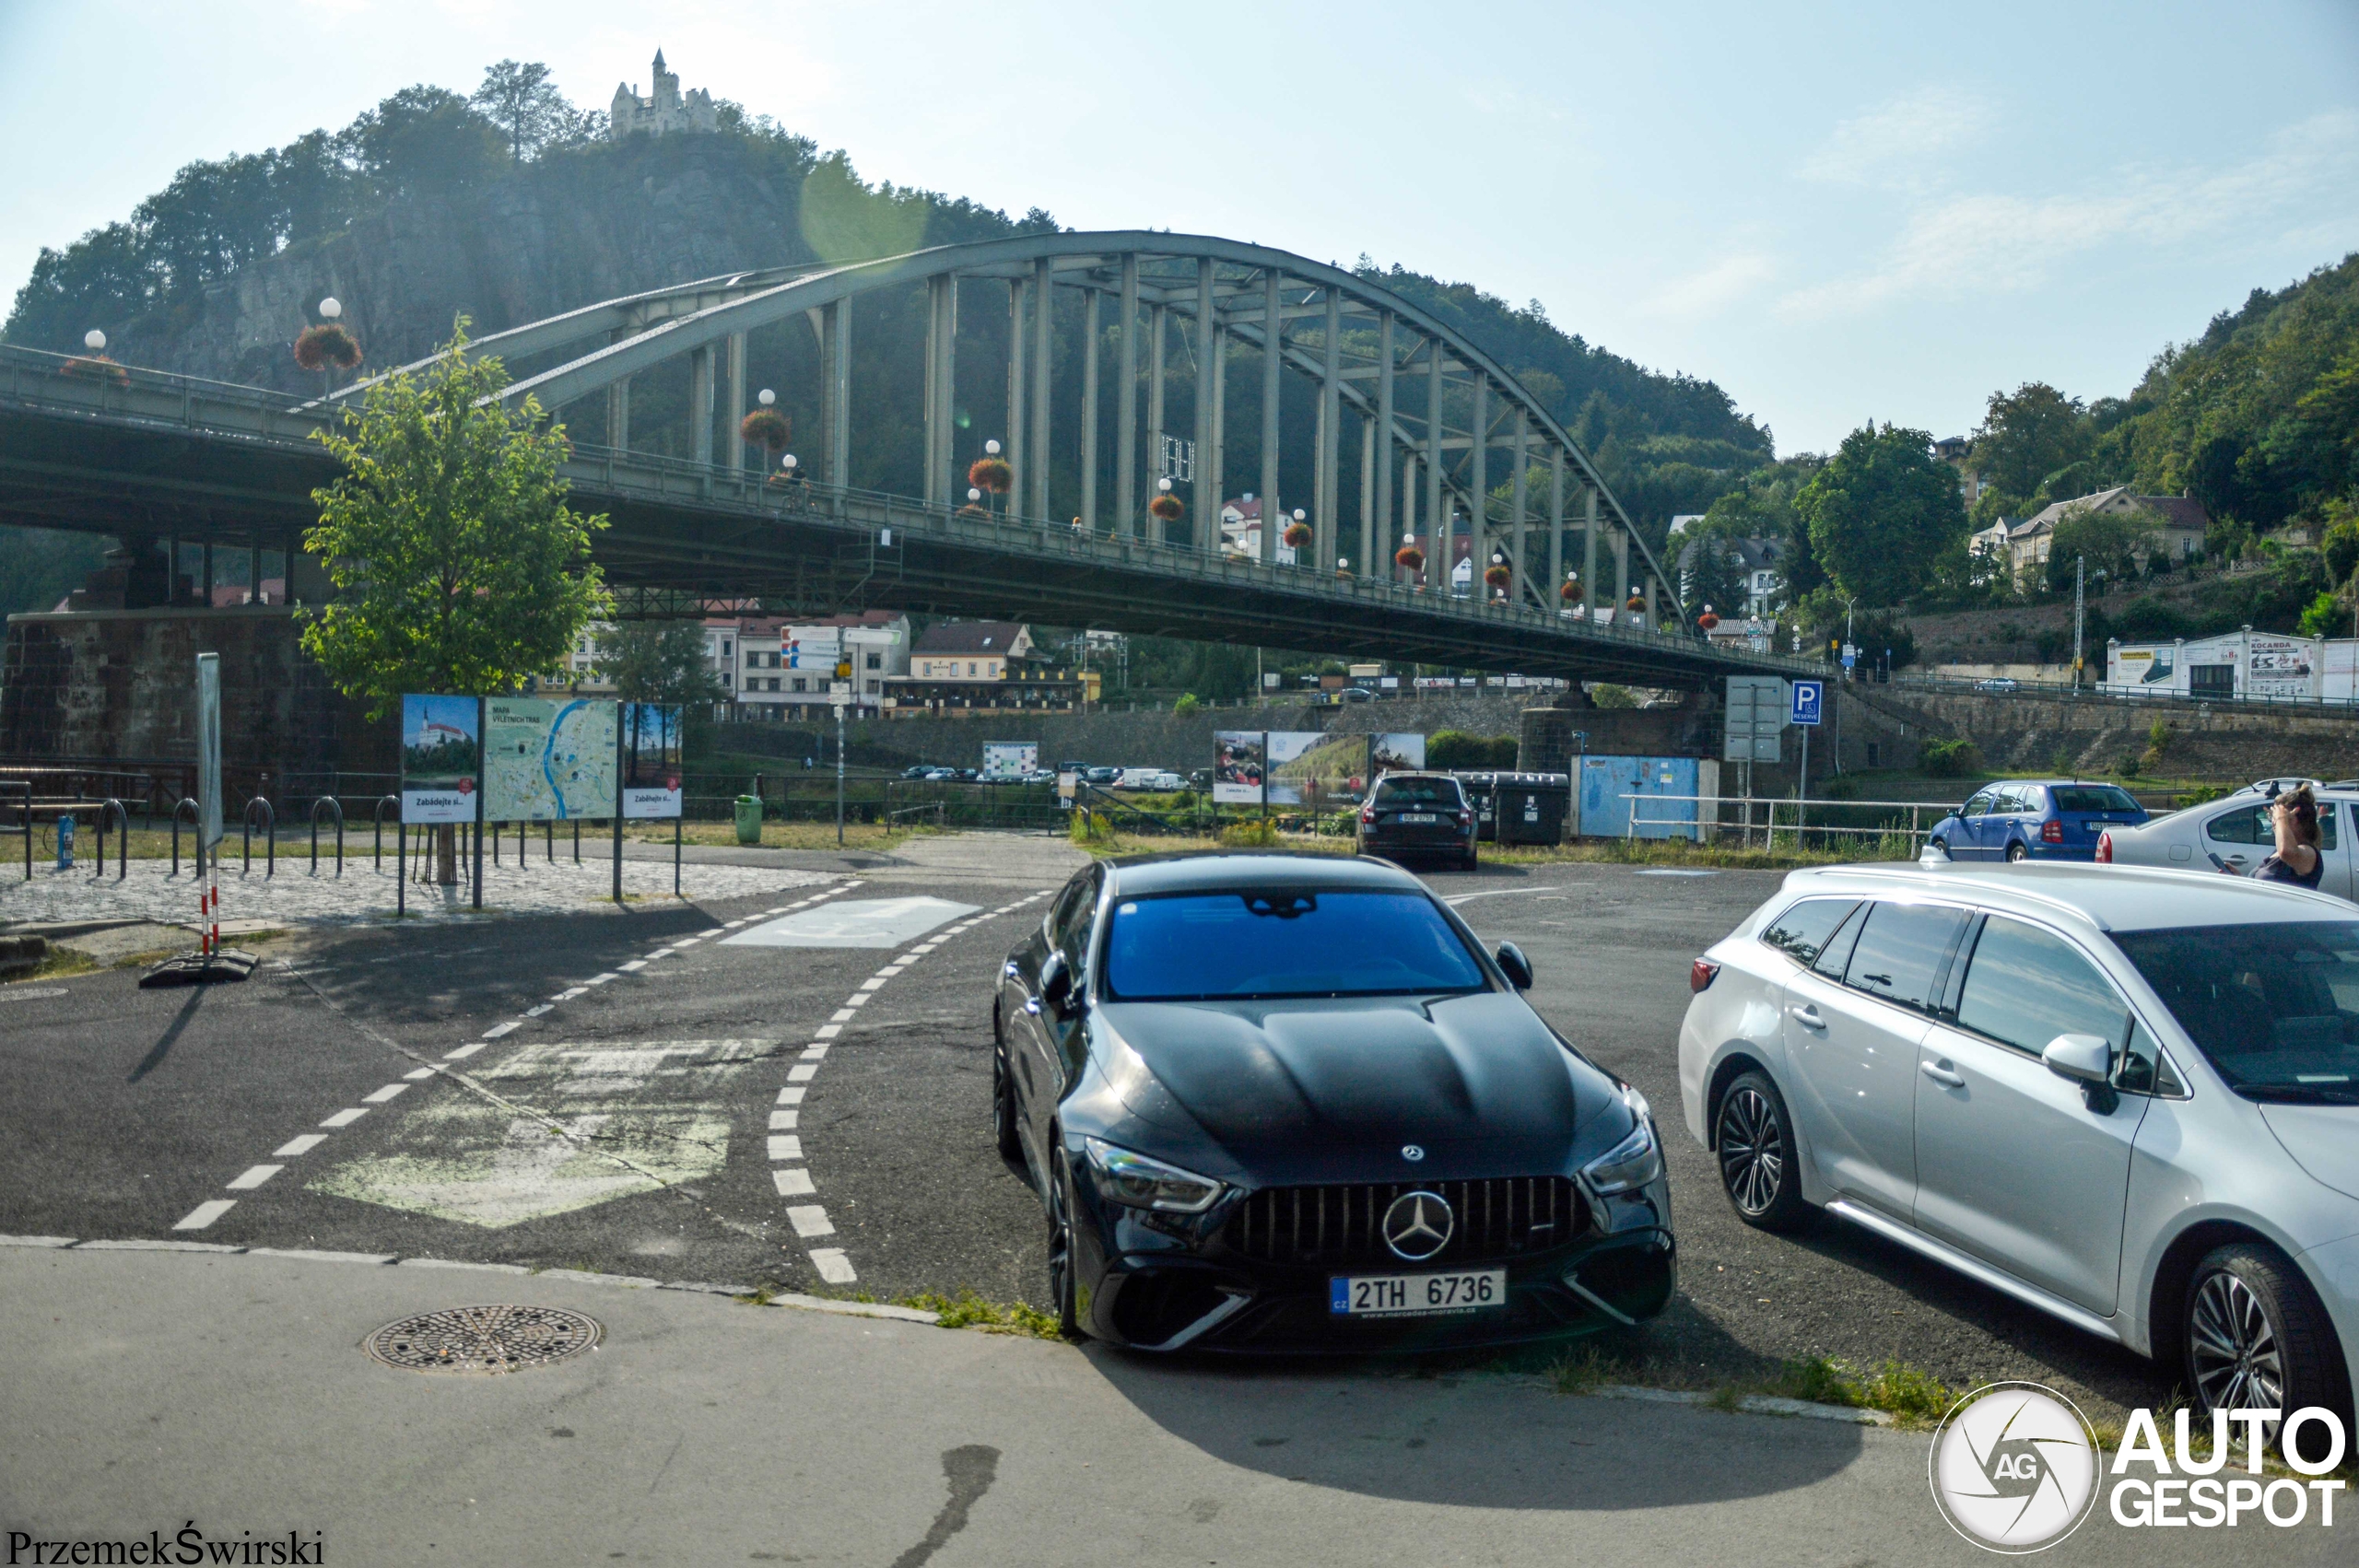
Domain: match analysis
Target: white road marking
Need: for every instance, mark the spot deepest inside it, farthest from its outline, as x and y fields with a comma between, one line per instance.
x=380, y=1096
x=602, y=980
x=496, y=1030
x=783, y=1121
x=793, y=1182
x=1674, y=873
x=809, y=1220
x=815, y=1051
x=800, y=1074
x=464, y=1052
x=537, y=1009
x=415, y=1073
x=870, y=922
x=314, y=1255
x=827, y=1030
x=875, y=982
x=792, y=1096
x=569, y=995
x=345, y=1118
x=786, y=1146
x=832, y=1265
x=842, y=1015
x=253, y=1177
x=295, y=1146
x=14, y=995
x=857, y=1000
x=633, y=966
x=205, y=1214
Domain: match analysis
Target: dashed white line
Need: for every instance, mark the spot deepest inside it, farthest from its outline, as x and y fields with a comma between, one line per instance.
x=633, y=966
x=791, y=1095
x=496, y=1030
x=253, y=1177
x=783, y=1121
x=827, y=1030
x=295, y=1146
x=416, y=1074
x=380, y=1096
x=205, y=1213
x=464, y=1052
x=793, y=1181
x=841, y=1015
x=831, y=1264
x=345, y=1118
x=570, y=994
x=802, y=1074
x=786, y=1146
x=537, y=1009
x=601, y=979
x=815, y=1051
x=811, y=1220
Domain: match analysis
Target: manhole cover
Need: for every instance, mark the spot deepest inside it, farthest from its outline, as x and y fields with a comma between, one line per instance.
x=483, y=1339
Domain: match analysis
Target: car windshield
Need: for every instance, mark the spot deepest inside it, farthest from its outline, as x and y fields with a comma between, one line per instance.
x=1217, y=946
x=2092, y=798
x=1418, y=793
x=2275, y=1007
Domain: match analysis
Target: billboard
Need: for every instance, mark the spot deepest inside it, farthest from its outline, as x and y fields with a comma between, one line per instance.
x=650, y=759
x=1395, y=754
x=1311, y=767
x=547, y=760
x=2280, y=666
x=1009, y=759
x=442, y=751
x=1236, y=767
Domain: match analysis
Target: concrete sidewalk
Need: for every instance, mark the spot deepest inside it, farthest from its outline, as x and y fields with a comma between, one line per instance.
x=146, y=1389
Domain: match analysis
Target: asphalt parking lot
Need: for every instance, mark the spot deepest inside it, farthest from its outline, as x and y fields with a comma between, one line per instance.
x=631, y=1125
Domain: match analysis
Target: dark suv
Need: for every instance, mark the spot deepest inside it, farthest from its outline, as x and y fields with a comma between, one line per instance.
x=1418, y=813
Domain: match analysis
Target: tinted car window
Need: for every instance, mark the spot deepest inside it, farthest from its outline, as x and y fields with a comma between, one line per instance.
x=1901, y=951
x=2275, y=1007
x=2143, y=1067
x=1071, y=930
x=2250, y=825
x=2094, y=798
x=1801, y=931
x=1419, y=792
x=2026, y=986
x=1976, y=806
x=1205, y=946
x=1837, y=951
x=2030, y=798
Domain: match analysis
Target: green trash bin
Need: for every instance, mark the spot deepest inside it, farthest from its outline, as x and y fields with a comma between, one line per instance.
x=749, y=819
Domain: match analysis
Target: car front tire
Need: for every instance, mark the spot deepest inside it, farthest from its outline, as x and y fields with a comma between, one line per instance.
x=1005, y=1128
x=1064, y=1293
x=2257, y=1337
x=2015, y=853
x=1760, y=1166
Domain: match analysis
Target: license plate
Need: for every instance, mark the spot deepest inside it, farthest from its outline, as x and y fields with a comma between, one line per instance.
x=1419, y=817
x=1410, y=1295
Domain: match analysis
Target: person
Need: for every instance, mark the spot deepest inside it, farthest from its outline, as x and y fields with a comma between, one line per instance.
x=2293, y=813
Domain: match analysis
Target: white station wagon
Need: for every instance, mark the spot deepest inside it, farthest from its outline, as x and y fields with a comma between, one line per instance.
x=2234, y=834
x=2128, y=1097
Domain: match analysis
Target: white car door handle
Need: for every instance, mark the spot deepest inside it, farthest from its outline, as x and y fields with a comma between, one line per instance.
x=1807, y=1016
x=1941, y=1075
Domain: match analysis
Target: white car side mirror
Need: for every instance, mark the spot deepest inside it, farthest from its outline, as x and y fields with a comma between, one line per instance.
x=2085, y=1058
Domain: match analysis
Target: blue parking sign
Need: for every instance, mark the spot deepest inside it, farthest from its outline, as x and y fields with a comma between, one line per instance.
x=1809, y=696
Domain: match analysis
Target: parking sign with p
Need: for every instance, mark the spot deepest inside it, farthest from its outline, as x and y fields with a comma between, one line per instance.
x=1809, y=700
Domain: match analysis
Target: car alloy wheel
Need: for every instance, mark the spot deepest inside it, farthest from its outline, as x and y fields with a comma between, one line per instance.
x=2258, y=1337
x=2232, y=1348
x=1063, y=1291
x=2017, y=852
x=1758, y=1157
x=1003, y=1124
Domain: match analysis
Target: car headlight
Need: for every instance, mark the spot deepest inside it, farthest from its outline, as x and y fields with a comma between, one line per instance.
x=1633, y=1162
x=1143, y=1183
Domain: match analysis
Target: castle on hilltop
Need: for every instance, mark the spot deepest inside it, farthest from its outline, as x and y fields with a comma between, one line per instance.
x=666, y=112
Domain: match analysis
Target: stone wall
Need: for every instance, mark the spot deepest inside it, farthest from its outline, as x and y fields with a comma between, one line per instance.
x=2034, y=732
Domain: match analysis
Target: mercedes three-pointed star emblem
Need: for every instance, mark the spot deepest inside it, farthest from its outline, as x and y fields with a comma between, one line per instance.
x=1417, y=1226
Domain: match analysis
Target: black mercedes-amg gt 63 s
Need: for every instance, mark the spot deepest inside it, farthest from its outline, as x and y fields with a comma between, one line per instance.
x=1287, y=1104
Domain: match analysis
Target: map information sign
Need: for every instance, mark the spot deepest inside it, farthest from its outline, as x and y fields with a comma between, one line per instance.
x=651, y=760
x=439, y=755
x=549, y=760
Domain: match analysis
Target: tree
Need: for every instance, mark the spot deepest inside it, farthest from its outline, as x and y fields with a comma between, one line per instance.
x=1880, y=511
x=2105, y=542
x=659, y=662
x=424, y=140
x=522, y=103
x=2033, y=441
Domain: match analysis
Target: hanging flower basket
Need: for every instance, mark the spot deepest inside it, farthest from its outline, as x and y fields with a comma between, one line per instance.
x=325, y=345
x=1635, y=603
x=1297, y=535
x=1167, y=507
x=1707, y=620
x=767, y=428
x=1499, y=576
x=1571, y=593
x=971, y=509
x=1409, y=556
x=990, y=473
x=95, y=368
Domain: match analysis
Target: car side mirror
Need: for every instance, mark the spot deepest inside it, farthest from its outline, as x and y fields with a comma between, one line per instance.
x=1515, y=965
x=1056, y=982
x=2085, y=1058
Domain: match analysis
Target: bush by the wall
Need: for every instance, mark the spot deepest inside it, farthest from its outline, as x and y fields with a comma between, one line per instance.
x=1949, y=759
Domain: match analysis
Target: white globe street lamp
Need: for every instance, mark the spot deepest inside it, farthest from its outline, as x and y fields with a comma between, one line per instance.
x=991, y=449
x=94, y=340
x=973, y=494
x=1163, y=485
x=330, y=308
x=787, y=463
x=765, y=397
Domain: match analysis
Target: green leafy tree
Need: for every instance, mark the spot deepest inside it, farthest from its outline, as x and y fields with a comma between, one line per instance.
x=2108, y=542
x=456, y=563
x=2034, y=441
x=525, y=106
x=1880, y=513
x=659, y=662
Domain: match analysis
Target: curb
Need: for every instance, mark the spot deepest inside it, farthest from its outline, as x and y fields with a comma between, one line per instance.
x=1752, y=1404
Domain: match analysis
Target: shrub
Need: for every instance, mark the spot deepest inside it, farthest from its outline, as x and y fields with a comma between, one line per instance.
x=1187, y=703
x=1456, y=748
x=1606, y=695
x=1091, y=828
x=1255, y=835
x=321, y=346
x=1948, y=760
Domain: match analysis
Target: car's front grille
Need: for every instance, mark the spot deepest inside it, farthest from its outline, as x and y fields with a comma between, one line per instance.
x=1341, y=1226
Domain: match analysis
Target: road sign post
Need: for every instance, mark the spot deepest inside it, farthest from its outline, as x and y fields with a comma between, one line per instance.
x=1807, y=712
x=839, y=693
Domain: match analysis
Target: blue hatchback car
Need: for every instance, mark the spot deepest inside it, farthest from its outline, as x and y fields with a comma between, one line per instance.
x=2036, y=819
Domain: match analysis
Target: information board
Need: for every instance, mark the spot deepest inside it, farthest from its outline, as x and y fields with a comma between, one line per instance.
x=1237, y=757
x=1009, y=759
x=549, y=760
x=652, y=759
x=441, y=753
x=1757, y=706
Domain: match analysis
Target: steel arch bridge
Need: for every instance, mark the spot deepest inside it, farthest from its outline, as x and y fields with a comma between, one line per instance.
x=1412, y=426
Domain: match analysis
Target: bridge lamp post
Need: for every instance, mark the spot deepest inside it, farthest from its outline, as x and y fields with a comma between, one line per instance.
x=331, y=309
x=95, y=341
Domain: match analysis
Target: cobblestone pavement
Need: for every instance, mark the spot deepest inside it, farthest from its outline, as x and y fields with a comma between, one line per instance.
x=362, y=896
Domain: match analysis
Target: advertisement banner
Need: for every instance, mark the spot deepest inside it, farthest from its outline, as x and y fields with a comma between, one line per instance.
x=209, y=752
x=1310, y=768
x=2280, y=666
x=1395, y=754
x=441, y=753
x=650, y=759
x=1236, y=767
x=1009, y=759
x=547, y=760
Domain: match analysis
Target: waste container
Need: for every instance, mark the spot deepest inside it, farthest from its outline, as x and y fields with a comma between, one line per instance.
x=1531, y=808
x=1481, y=794
x=749, y=819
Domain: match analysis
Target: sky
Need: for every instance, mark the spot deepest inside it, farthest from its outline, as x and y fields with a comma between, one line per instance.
x=1839, y=212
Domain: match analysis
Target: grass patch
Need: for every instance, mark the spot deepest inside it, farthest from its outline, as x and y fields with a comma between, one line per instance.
x=1907, y=1393
x=60, y=963
x=775, y=836
x=1685, y=852
x=967, y=1310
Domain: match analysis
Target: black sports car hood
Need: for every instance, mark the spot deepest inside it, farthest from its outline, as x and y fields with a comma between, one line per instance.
x=1476, y=1081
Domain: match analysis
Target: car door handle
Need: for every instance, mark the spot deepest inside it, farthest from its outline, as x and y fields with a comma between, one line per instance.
x=1807, y=1016
x=1941, y=1075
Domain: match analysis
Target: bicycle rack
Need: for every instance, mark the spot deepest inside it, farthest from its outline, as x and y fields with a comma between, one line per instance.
x=122, y=845
x=336, y=806
x=196, y=831
x=377, y=854
x=270, y=837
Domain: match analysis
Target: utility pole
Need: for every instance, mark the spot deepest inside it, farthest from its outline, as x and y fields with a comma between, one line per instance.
x=2079, y=582
x=840, y=772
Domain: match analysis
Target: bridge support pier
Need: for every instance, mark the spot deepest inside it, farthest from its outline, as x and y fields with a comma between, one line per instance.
x=1443, y=536
x=1519, y=585
x=1158, y=322
x=1370, y=469
x=838, y=362
x=1126, y=404
x=700, y=406
x=1329, y=528
x=1553, y=599
x=1383, y=445
x=1089, y=312
x=1273, y=352
x=1206, y=489
x=941, y=402
x=1589, y=555
x=1043, y=296
x=737, y=409
x=1478, y=526
x=618, y=415
x=1015, y=445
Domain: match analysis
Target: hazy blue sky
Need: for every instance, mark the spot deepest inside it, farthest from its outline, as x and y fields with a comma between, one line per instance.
x=1837, y=212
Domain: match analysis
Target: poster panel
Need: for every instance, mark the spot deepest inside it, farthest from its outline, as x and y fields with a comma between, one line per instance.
x=547, y=760
x=652, y=759
x=1236, y=767
x=441, y=753
x=1311, y=767
x=208, y=755
x=1396, y=753
x=1009, y=759
x=2279, y=666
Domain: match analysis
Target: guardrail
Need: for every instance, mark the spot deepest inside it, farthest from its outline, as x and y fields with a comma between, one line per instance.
x=1769, y=826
